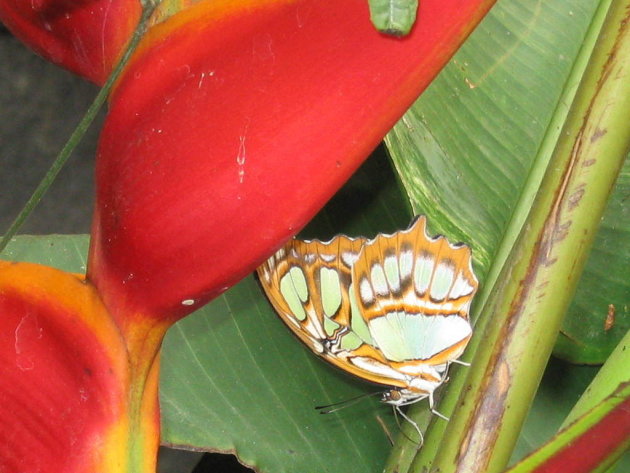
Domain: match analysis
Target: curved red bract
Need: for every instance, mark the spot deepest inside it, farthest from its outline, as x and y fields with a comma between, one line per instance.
x=84, y=36
x=63, y=366
x=233, y=125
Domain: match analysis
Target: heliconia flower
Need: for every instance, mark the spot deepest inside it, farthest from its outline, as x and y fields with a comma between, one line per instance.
x=70, y=396
x=84, y=36
x=233, y=124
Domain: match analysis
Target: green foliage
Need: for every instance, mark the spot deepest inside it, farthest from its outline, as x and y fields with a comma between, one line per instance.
x=467, y=148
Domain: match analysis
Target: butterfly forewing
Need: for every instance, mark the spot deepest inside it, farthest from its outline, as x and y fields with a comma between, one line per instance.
x=307, y=283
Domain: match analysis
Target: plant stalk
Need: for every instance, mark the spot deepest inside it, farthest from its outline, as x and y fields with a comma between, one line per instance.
x=527, y=305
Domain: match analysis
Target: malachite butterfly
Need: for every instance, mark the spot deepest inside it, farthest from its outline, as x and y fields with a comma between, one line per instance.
x=392, y=310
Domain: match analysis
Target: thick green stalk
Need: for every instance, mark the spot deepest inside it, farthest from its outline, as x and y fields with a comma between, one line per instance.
x=80, y=130
x=526, y=307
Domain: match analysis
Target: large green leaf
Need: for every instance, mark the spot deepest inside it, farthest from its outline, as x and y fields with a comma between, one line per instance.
x=65, y=252
x=467, y=148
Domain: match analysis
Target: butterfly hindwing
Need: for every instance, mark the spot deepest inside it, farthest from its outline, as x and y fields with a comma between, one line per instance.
x=415, y=292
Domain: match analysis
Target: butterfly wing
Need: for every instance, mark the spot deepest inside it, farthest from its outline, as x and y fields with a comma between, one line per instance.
x=414, y=293
x=387, y=310
x=309, y=284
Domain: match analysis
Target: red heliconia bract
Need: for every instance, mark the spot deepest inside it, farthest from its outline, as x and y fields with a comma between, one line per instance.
x=65, y=379
x=84, y=36
x=232, y=126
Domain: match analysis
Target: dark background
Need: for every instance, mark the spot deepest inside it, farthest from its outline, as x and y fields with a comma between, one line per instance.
x=40, y=104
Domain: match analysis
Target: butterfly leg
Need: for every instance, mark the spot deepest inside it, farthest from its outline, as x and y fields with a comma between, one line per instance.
x=398, y=410
x=434, y=411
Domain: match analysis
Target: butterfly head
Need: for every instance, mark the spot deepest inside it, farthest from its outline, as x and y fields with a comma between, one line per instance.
x=402, y=397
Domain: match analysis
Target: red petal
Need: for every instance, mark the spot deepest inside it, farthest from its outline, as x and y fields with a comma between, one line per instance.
x=233, y=126
x=84, y=36
x=64, y=378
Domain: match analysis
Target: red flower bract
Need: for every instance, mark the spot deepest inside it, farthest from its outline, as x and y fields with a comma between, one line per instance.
x=84, y=36
x=64, y=375
x=232, y=126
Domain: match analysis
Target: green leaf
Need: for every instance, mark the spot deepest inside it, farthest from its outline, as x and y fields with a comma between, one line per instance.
x=466, y=149
x=65, y=252
x=395, y=17
x=235, y=380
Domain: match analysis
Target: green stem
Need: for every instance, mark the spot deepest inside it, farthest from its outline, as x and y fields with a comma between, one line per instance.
x=525, y=308
x=80, y=130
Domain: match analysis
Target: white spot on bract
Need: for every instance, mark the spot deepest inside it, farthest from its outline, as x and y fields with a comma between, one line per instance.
x=240, y=159
x=188, y=302
x=241, y=154
x=365, y=290
x=379, y=282
x=27, y=331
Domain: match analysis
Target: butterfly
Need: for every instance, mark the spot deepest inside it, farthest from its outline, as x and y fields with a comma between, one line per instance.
x=392, y=310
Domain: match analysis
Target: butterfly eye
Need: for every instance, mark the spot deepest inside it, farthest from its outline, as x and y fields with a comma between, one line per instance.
x=392, y=396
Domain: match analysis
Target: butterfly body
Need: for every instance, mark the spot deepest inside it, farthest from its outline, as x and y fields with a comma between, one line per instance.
x=392, y=310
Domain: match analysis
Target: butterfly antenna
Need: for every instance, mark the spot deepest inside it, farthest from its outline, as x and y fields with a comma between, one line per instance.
x=330, y=408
